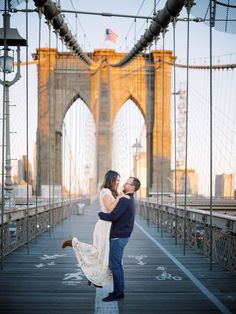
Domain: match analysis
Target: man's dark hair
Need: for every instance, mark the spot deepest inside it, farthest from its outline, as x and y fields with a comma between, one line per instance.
x=136, y=183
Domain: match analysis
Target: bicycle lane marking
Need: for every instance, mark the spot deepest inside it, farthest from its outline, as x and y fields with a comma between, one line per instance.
x=197, y=283
x=105, y=307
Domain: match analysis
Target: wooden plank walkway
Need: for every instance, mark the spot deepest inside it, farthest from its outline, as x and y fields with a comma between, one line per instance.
x=159, y=279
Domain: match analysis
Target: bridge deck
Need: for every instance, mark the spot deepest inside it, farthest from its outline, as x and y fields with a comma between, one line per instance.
x=48, y=279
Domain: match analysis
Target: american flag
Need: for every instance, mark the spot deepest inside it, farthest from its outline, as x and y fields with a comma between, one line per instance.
x=110, y=35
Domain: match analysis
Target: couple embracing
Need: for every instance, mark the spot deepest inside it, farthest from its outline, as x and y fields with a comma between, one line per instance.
x=102, y=260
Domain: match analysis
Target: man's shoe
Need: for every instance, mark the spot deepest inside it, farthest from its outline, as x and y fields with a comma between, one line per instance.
x=113, y=297
x=67, y=243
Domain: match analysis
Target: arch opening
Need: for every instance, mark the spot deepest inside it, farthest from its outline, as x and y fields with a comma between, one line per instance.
x=78, y=151
x=129, y=144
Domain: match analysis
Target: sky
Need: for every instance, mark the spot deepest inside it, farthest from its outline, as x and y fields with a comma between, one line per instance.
x=90, y=31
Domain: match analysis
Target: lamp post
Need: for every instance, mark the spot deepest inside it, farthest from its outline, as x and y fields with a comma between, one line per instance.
x=87, y=168
x=136, y=151
x=9, y=37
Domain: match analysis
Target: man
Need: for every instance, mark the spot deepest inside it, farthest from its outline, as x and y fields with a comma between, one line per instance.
x=122, y=218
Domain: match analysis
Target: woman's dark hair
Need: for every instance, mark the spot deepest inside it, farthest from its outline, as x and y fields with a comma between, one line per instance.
x=109, y=182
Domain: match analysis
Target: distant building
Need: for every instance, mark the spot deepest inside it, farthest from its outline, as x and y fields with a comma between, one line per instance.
x=35, y=165
x=224, y=185
x=23, y=174
x=192, y=181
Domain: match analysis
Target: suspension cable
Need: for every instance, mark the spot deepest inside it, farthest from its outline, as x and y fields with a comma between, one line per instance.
x=62, y=127
x=162, y=127
x=38, y=177
x=188, y=7
x=175, y=127
x=49, y=127
x=3, y=135
x=212, y=10
x=157, y=146
x=27, y=119
x=54, y=151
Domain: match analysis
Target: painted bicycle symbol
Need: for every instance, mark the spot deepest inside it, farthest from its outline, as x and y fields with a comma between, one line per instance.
x=165, y=275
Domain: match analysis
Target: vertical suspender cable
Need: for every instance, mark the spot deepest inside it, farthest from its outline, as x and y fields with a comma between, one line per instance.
x=54, y=151
x=149, y=124
x=154, y=10
x=76, y=124
x=62, y=130
x=135, y=30
x=212, y=11
x=62, y=196
x=188, y=7
x=49, y=125
x=70, y=149
x=81, y=152
x=27, y=120
x=64, y=160
x=38, y=179
x=137, y=65
x=76, y=156
x=157, y=148
x=3, y=134
x=55, y=141
x=54, y=138
x=76, y=26
x=69, y=143
x=162, y=128
x=175, y=129
x=56, y=34
x=75, y=150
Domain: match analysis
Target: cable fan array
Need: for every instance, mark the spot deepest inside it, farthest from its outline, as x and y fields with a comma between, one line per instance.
x=160, y=21
x=52, y=13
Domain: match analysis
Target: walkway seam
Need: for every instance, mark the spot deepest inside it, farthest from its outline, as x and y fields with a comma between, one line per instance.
x=198, y=284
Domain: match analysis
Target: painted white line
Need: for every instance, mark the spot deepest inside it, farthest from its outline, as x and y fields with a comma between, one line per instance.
x=197, y=283
x=105, y=307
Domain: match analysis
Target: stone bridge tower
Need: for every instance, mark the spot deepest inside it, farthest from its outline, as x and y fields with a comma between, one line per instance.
x=63, y=78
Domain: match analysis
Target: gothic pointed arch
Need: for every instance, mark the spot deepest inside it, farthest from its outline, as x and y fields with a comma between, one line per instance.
x=104, y=89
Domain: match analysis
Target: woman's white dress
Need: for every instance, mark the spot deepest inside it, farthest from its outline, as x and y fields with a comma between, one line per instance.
x=93, y=258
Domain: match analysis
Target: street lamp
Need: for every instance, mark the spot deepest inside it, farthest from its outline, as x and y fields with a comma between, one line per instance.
x=6, y=61
x=9, y=37
x=87, y=168
x=136, y=151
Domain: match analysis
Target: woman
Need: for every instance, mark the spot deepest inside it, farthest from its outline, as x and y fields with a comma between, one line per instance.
x=93, y=259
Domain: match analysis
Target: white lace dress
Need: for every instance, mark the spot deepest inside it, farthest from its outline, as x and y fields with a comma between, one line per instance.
x=93, y=258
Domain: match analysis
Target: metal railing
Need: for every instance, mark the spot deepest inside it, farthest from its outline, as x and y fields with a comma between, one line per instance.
x=170, y=219
x=19, y=228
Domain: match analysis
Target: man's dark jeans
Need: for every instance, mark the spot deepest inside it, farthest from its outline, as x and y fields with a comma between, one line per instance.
x=115, y=262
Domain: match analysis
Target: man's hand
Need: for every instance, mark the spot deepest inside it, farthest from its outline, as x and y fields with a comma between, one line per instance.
x=124, y=195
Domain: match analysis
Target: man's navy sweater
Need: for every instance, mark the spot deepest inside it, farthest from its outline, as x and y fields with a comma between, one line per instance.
x=122, y=218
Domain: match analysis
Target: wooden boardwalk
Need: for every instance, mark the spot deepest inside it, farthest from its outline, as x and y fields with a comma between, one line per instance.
x=159, y=279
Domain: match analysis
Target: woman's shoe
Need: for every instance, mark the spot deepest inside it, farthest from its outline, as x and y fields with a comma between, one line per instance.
x=90, y=283
x=67, y=243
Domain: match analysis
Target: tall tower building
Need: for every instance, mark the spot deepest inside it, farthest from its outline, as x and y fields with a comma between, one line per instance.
x=192, y=176
x=181, y=125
